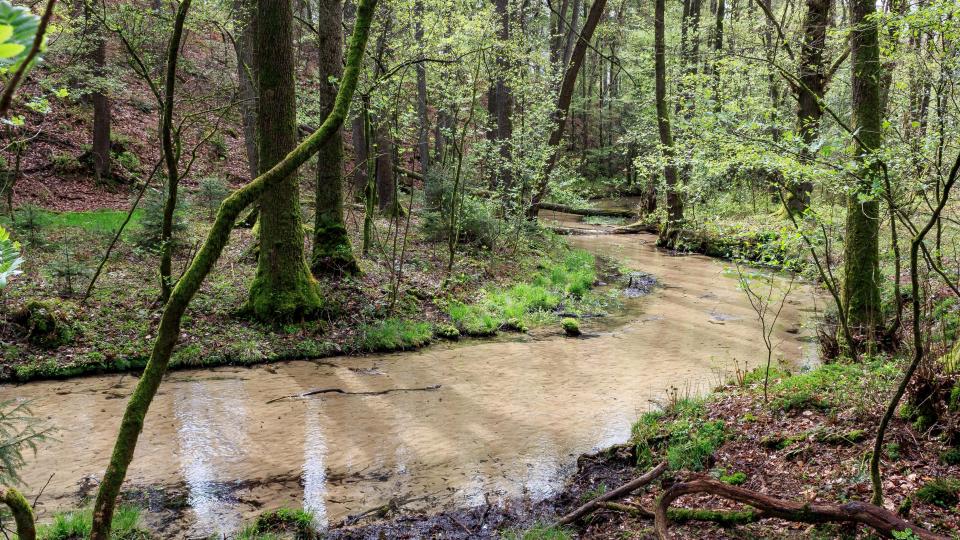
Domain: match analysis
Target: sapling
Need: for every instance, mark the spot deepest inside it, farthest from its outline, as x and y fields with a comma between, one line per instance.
x=767, y=303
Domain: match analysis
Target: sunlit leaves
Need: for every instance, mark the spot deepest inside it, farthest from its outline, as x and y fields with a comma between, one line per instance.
x=18, y=29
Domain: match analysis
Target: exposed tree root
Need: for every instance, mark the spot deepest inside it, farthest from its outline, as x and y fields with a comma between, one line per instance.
x=620, y=492
x=880, y=519
x=346, y=393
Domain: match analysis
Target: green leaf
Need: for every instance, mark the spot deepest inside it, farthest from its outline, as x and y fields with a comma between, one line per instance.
x=10, y=50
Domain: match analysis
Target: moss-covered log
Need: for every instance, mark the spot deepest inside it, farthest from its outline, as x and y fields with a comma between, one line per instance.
x=878, y=518
x=590, y=212
x=218, y=236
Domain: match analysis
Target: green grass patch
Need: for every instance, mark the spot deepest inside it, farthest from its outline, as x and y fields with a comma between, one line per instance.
x=682, y=435
x=76, y=525
x=564, y=284
x=394, y=335
x=91, y=221
x=278, y=524
x=942, y=492
x=829, y=386
x=539, y=532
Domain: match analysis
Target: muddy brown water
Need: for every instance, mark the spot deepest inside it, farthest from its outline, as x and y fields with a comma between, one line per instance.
x=509, y=419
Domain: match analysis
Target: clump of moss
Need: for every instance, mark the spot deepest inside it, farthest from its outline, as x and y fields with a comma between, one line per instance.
x=942, y=492
x=446, y=331
x=735, y=479
x=46, y=326
x=280, y=523
x=571, y=327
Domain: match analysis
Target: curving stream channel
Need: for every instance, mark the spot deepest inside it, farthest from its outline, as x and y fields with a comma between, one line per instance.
x=509, y=419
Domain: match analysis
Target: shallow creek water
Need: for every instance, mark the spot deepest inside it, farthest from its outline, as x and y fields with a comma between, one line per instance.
x=509, y=418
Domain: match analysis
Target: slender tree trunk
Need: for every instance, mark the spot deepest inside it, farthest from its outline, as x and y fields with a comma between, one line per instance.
x=332, y=252
x=386, y=192
x=282, y=288
x=247, y=86
x=170, y=155
x=567, y=86
x=100, y=150
x=861, y=286
x=670, y=230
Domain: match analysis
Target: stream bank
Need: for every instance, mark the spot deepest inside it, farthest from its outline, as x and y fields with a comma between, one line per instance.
x=508, y=420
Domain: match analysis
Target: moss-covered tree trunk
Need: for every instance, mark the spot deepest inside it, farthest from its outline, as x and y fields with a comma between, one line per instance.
x=170, y=153
x=670, y=230
x=861, y=286
x=168, y=331
x=810, y=92
x=332, y=252
x=282, y=288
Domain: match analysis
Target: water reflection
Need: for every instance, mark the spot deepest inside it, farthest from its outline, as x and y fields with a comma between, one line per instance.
x=212, y=434
x=314, y=464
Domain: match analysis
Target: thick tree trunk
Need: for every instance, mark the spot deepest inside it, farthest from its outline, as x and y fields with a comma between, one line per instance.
x=247, y=86
x=670, y=231
x=282, y=288
x=332, y=252
x=811, y=90
x=861, y=286
x=359, y=178
x=431, y=191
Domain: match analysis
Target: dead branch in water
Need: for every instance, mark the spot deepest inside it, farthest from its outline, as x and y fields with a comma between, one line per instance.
x=880, y=519
x=621, y=491
x=347, y=393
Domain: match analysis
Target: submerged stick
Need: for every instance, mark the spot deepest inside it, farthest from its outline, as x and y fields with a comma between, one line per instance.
x=346, y=393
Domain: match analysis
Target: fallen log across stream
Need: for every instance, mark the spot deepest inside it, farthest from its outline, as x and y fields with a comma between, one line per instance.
x=591, y=212
x=347, y=393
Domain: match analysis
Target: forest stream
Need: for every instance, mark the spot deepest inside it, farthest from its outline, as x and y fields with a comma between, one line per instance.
x=459, y=424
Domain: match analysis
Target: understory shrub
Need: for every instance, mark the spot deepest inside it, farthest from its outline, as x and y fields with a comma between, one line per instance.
x=147, y=235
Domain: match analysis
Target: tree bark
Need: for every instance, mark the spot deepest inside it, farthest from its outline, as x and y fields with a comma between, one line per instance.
x=282, y=288
x=247, y=86
x=170, y=157
x=332, y=252
x=809, y=93
x=670, y=230
x=500, y=105
x=861, y=286
x=431, y=191
x=100, y=149
x=168, y=332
